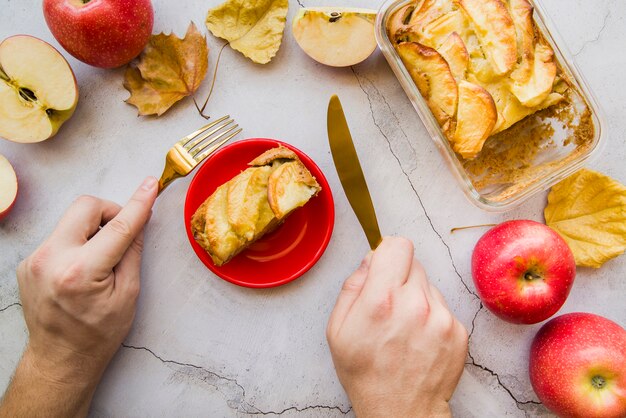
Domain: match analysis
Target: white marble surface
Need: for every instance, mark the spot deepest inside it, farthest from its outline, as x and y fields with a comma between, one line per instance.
x=203, y=347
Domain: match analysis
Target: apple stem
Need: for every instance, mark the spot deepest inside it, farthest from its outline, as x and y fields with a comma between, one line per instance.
x=453, y=230
x=598, y=382
x=85, y=1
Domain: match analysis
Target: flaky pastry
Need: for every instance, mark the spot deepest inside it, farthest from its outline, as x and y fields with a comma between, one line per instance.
x=253, y=203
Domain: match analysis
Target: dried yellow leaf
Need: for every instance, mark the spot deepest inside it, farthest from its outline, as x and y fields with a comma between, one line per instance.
x=252, y=27
x=168, y=69
x=588, y=209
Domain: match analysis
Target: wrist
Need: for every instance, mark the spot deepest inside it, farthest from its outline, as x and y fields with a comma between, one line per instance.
x=62, y=367
x=400, y=407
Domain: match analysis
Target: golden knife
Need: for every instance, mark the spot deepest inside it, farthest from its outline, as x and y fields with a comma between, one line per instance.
x=350, y=172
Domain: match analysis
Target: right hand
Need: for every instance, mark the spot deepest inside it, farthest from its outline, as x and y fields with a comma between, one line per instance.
x=397, y=348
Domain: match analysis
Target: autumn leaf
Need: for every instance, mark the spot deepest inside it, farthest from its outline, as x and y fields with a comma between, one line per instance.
x=168, y=69
x=252, y=27
x=588, y=209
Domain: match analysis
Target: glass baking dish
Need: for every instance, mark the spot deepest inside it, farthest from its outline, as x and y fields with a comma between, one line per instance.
x=534, y=156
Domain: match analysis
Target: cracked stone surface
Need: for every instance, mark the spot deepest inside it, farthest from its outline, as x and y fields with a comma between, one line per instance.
x=203, y=347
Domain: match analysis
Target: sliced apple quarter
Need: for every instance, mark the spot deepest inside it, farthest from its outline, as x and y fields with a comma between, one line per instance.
x=476, y=117
x=38, y=91
x=431, y=73
x=8, y=187
x=337, y=37
x=495, y=30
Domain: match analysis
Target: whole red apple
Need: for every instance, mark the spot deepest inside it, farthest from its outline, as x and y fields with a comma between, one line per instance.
x=578, y=366
x=523, y=271
x=102, y=33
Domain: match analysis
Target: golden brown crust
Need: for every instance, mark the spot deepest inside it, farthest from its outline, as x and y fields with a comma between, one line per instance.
x=271, y=155
x=431, y=73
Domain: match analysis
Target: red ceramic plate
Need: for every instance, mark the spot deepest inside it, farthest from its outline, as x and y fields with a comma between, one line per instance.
x=285, y=254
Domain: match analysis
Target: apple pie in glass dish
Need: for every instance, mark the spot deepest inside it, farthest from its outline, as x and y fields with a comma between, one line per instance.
x=510, y=113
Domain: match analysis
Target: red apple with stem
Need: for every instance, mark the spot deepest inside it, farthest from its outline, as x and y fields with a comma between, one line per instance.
x=523, y=271
x=578, y=366
x=102, y=33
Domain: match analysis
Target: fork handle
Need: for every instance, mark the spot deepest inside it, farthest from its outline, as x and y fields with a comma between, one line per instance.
x=168, y=176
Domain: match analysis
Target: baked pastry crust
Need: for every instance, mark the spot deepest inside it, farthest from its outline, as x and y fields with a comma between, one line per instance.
x=253, y=203
x=491, y=48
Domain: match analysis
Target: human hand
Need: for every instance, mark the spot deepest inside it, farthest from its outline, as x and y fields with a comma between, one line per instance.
x=79, y=288
x=397, y=348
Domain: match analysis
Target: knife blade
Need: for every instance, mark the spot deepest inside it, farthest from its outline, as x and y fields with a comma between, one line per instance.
x=350, y=172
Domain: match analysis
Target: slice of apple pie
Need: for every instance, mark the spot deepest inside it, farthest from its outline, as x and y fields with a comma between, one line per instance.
x=253, y=203
x=481, y=65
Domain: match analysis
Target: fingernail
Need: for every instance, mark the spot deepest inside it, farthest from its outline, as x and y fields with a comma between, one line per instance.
x=149, y=183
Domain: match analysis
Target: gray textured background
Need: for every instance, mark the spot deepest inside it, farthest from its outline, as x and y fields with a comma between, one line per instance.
x=203, y=347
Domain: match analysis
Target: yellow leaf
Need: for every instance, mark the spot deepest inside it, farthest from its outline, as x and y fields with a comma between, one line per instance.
x=252, y=27
x=588, y=209
x=168, y=69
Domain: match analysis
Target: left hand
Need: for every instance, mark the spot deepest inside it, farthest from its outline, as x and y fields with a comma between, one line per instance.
x=79, y=288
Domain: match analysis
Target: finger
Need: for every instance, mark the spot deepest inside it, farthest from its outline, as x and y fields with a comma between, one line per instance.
x=127, y=271
x=109, y=245
x=350, y=291
x=436, y=295
x=83, y=219
x=390, y=266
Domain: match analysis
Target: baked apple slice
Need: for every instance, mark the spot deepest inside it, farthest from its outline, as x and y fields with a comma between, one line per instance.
x=290, y=187
x=438, y=30
x=476, y=117
x=535, y=90
x=522, y=15
x=431, y=73
x=38, y=91
x=249, y=213
x=454, y=52
x=495, y=30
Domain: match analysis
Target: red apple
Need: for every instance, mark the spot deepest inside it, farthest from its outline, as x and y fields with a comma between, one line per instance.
x=102, y=33
x=578, y=366
x=8, y=187
x=523, y=271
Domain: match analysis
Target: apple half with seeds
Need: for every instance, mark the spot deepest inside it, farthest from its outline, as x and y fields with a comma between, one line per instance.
x=335, y=36
x=38, y=90
x=8, y=187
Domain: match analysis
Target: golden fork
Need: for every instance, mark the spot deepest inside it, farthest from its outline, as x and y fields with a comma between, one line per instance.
x=190, y=151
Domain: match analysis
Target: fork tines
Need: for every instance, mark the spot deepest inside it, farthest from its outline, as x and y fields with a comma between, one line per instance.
x=196, y=143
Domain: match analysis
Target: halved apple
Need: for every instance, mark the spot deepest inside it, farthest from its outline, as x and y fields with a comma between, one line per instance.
x=495, y=30
x=38, y=90
x=454, y=52
x=8, y=187
x=338, y=37
x=476, y=117
x=431, y=73
x=535, y=90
